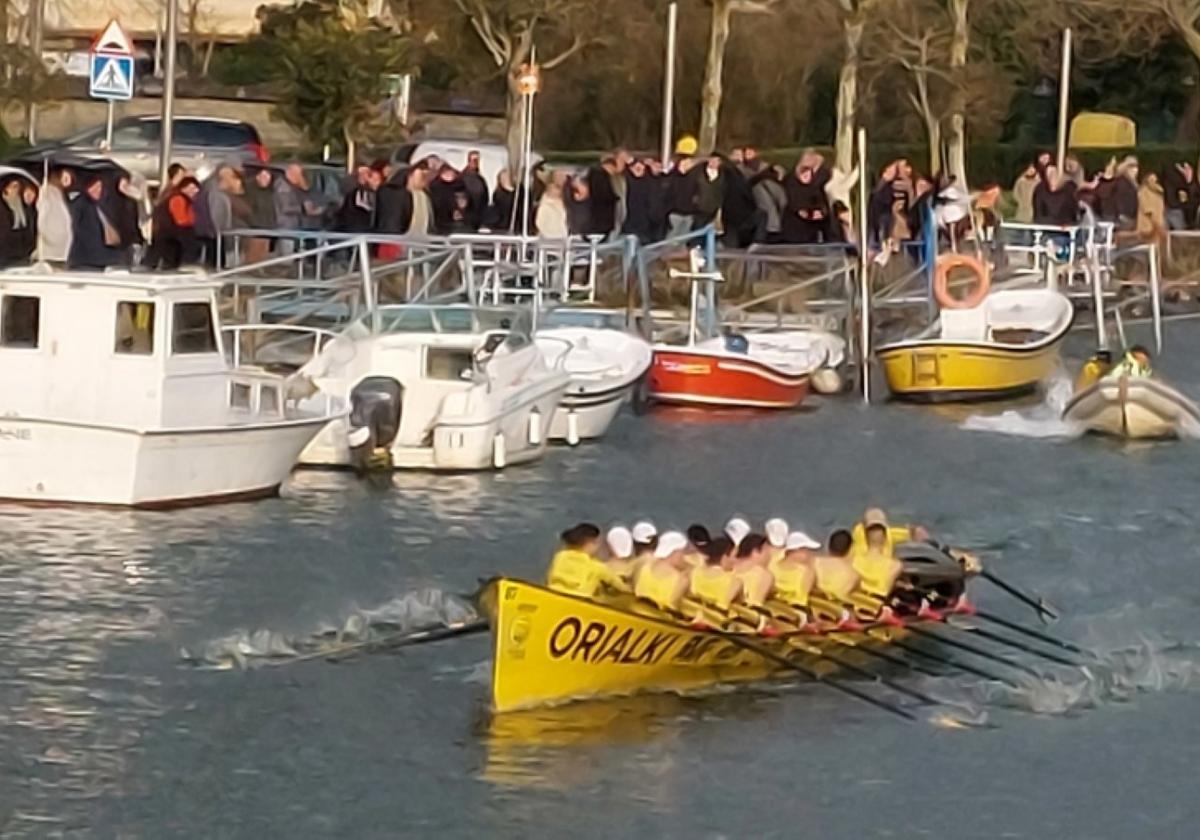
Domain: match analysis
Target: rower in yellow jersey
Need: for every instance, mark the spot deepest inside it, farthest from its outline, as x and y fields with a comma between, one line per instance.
x=621, y=559
x=835, y=572
x=751, y=569
x=895, y=534
x=874, y=556
x=777, y=532
x=664, y=580
x=795, y=571
x=715, y=584
x=575, y=569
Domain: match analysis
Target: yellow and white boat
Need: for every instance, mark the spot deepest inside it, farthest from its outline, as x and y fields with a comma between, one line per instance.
x=1003, y=347
x=550, y=647
x=1137, y=408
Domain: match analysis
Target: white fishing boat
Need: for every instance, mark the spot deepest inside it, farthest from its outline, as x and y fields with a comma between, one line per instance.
x=450, y=387
x=115, y=390
x=1137, y=408
x=605, y=364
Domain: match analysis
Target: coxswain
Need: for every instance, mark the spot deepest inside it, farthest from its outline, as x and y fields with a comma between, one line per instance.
x=714, y=584
x=753, y=555
x=894, y=534
x=1098, y=366
x=575, y=568
x=621, y=559
x=795, y=572
x=1136, y=364
x=737, y=529
x=875, y=558
x=664, y=580
x=835, y=573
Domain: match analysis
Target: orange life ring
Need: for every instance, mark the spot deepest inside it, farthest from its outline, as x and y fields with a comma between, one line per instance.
x=941, y=281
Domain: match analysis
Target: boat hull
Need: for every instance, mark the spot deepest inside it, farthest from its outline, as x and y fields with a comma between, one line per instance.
x=51, y=462
x=1133, y=408
x=593, y=413
x=938, y=371
x=550, y=648
x=687, y=377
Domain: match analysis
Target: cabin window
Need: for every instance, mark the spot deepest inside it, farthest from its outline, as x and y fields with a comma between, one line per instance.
x=135, y=328
x=20, y=321
x=192, y=330
x=447, y=363
x=268, y=400
x=239, y=395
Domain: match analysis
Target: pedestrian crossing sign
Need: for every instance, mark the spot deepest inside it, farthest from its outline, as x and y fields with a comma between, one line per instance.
x=111, y=76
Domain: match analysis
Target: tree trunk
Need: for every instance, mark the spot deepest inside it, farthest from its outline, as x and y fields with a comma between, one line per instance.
x=933, y=134
x=959, y=44
x=714, y=66
x=1189, y=122
x=847, y=101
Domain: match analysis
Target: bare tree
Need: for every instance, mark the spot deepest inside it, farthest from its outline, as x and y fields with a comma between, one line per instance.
x=855, y=15
x=714, y=64
x=507, y=30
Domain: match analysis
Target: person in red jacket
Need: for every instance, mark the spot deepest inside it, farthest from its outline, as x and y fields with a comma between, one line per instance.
x=173, y=228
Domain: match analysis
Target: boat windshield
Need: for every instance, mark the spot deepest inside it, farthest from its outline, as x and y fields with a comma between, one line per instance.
x=593, y=318
x=461, y=320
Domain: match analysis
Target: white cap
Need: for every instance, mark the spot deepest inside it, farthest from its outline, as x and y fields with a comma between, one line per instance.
x=620, y=542
x=644, y=531
x=798, y=540
x=669, y=543
x=737, y=529
x=777, y=532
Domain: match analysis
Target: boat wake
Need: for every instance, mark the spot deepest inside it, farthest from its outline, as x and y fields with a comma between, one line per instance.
x=412, y=612
x=1042, y=421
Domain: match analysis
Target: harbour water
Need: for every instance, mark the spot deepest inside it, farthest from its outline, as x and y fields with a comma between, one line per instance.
x=108, y=731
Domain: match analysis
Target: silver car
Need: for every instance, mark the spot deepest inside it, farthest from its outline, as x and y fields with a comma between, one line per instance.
x=200, y=144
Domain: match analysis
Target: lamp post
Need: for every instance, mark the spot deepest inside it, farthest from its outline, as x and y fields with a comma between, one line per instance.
x=168, y=95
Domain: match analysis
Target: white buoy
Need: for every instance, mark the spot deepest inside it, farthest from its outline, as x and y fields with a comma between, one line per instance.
x=535, y=428
x=499, y=452
x=572, y=428
x=827, y=381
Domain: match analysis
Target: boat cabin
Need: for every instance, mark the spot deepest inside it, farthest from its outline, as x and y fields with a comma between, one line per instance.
x=124, y=350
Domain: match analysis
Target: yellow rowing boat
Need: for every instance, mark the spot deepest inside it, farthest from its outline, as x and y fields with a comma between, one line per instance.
x=1003, y=347
x=550, y=647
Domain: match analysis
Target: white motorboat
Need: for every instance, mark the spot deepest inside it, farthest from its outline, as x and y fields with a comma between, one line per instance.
x=1134, y=408
x=605, y=364
x=450, y=387
x=115, y=390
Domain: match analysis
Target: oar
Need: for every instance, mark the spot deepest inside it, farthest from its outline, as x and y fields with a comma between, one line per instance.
x=422, y=635
x=899, y=661
x=1013, y=643
x=865, y=673
x=1033, y=634
x=1038, y=605
x=783, y=661
x=965, y=667
x=972, y=649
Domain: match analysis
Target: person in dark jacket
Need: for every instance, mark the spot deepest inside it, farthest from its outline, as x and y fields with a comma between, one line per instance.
x=502, y=213
x=173, y=227
x=1181, y=195
x=18, y=224
x=1054, y=201
x=711, y=187
x=806, y=214
x=357, y=211
x=442, y=192
x=579, y=207
x=260, y=198
x=604, y=198
x=680, y=189
x=97, y=242
x=739, y=211
x=644, y=209
x=477, y=190
x=126, y=215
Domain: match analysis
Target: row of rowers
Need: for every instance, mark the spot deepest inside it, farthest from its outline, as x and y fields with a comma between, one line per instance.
x=737, y=566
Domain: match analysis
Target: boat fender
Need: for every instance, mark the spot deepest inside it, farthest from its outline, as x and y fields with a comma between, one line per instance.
x=572, y=428
x=499, y=452
x=941, y=282
x=535, y=428
x=641, y=396
x=827, y=381
x=358, y=437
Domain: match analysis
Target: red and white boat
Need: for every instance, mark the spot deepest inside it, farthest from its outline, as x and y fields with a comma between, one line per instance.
x=757, y=370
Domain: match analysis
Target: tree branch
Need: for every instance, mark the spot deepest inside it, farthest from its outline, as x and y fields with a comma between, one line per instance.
x=578, y=44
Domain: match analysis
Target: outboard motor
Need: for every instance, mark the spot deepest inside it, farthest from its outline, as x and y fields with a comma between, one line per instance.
x=375, y=406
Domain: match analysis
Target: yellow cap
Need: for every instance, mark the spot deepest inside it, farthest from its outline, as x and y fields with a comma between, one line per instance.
x=686, y=145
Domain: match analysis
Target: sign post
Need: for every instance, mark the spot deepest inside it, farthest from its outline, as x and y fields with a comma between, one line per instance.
x=111, y=70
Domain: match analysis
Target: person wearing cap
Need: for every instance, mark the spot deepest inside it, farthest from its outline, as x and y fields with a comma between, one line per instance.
x=575, y=569
x=892, y=535
x=621, y=559
x=794, y=571
x=699, y=539
x=777, y=535
x=664, y=580
x=874, y=553
x=737, y=529
x=753, y=555
x=645, y=537
x=714, y=583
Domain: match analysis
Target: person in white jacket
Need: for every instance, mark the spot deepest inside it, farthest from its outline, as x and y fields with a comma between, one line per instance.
x=551, y=218
x=54, y=219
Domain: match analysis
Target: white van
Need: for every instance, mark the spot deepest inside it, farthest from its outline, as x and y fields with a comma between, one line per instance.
x=492, y=156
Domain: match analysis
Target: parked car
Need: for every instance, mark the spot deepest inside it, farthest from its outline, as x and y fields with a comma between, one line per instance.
x=199, y=143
